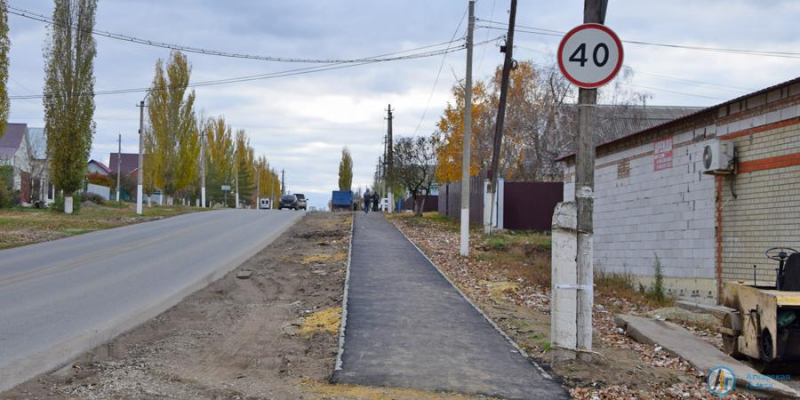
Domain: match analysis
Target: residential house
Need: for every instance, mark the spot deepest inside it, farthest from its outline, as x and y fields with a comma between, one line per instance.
x=29, y=164
x=97, y=167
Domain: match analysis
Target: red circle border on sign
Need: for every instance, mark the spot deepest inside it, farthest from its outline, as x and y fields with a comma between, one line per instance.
x=616, y=67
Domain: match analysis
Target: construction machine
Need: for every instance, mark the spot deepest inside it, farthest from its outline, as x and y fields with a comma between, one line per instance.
x=762, y=323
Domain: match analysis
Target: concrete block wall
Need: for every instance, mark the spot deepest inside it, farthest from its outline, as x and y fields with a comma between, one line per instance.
x=766, y=210
x=702, y=233
x=669, y=213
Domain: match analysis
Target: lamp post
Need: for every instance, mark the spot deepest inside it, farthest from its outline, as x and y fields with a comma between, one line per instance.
x=140, y=173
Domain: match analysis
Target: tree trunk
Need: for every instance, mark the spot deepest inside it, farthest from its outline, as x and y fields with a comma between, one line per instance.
x=67, y=204
x=422, y=206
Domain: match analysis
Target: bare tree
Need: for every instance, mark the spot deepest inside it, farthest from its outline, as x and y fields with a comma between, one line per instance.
x=415, y=167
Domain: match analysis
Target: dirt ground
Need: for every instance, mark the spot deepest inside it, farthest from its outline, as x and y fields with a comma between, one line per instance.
x=273, y=335
x=508, y=278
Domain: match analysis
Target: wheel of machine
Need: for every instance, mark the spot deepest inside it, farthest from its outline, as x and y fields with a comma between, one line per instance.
x=765, y=347
x=732, y=322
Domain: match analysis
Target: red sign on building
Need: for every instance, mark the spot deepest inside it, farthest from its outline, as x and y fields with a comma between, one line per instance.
x=663, y=154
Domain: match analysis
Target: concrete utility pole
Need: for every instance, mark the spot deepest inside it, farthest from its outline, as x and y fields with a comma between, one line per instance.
x=202, y=170
x=119, y=165
x=236, y=175
x=390, y=159
x=466, y=147
x=283, y=181
x=258, y=188
x=501, y=111
x=140, y=173
x=594, y=11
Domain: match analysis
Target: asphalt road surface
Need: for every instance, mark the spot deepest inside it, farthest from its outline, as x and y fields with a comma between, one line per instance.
x=407, y=326
x=64, y=297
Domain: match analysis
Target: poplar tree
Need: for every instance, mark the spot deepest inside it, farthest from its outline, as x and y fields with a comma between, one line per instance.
x=69, y=93
x=244, y=159
x=219, y=157
x=5, y=46
x=173, y=132
x=346, y=171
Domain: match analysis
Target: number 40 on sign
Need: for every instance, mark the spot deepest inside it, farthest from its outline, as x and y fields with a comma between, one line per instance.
x=590, y=55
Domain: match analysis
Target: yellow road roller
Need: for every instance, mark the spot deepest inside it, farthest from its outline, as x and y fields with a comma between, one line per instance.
x=762, y=323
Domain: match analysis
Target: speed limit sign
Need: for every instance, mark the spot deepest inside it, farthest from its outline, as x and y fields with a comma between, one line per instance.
x=590, y=55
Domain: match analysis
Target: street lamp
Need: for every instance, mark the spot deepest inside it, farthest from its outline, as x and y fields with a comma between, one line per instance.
x=140, y=173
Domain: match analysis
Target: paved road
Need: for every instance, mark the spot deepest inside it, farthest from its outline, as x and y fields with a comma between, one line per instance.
x=407, y=326
x=63, y=297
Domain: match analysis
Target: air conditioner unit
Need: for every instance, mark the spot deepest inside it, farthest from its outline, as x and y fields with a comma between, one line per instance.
x=717, y=157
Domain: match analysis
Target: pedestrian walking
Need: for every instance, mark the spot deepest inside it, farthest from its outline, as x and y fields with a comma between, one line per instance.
x=376, y=198
x=367, y=200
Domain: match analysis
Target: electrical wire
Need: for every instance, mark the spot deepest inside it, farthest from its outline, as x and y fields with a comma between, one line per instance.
x=188, y=49
x=285, y=73
x=438, y=74
x=555, y=33
x=667, y=77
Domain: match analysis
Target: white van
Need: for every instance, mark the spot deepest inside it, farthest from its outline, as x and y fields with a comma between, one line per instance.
x=265, y=204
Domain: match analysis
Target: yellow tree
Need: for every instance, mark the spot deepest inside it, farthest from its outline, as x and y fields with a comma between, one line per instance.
x=450, y=130
x=219, y=157
x=173, y=132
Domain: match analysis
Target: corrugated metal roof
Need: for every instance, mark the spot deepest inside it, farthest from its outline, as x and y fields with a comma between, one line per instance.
x=101, y=165
x=130, y=162
x=692, y=115
x=11, y=140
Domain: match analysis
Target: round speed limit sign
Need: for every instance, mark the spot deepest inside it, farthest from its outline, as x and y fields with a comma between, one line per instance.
x=590, y=55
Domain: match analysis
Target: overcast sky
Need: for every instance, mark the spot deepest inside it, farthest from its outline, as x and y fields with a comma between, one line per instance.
x=301, y=123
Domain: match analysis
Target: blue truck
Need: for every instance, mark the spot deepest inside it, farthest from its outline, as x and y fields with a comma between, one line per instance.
x=341, y=200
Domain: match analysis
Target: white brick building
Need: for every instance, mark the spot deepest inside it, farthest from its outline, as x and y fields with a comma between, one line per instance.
x=652, y=198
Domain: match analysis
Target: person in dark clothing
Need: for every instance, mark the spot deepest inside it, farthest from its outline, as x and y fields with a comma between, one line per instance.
x=376, y=199
x=367, y=200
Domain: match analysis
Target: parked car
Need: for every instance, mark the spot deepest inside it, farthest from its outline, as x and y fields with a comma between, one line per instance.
x=288, y=201
x=302, y=202
x=384, y=206
x=265, y=204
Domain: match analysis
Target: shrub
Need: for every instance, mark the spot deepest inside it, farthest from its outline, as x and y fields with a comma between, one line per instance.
x=5, y=194
x=93, y=197
x=656, y=293
x=96, y=179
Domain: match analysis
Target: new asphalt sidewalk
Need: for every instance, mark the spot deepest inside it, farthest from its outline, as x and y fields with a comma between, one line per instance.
x=407, y=326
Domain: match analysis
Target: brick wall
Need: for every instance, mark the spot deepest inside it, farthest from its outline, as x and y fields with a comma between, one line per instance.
x=766, y=210
x=701, y=233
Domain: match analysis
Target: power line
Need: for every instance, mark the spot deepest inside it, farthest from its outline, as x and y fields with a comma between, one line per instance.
x=483, y=51
x=436, y=82
x=280, y=74
x=555, y=33
x=667, y=77
x=188, y=49
x=680, y=93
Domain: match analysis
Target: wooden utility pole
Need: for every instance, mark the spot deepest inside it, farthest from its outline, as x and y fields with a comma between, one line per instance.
x=390, y=158
x=283, y=182
x=594, y=11
x=466, y=146
x=501, y=111
x=119, y=166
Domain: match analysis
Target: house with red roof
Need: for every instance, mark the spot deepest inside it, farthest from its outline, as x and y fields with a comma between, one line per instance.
x=26, y=155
